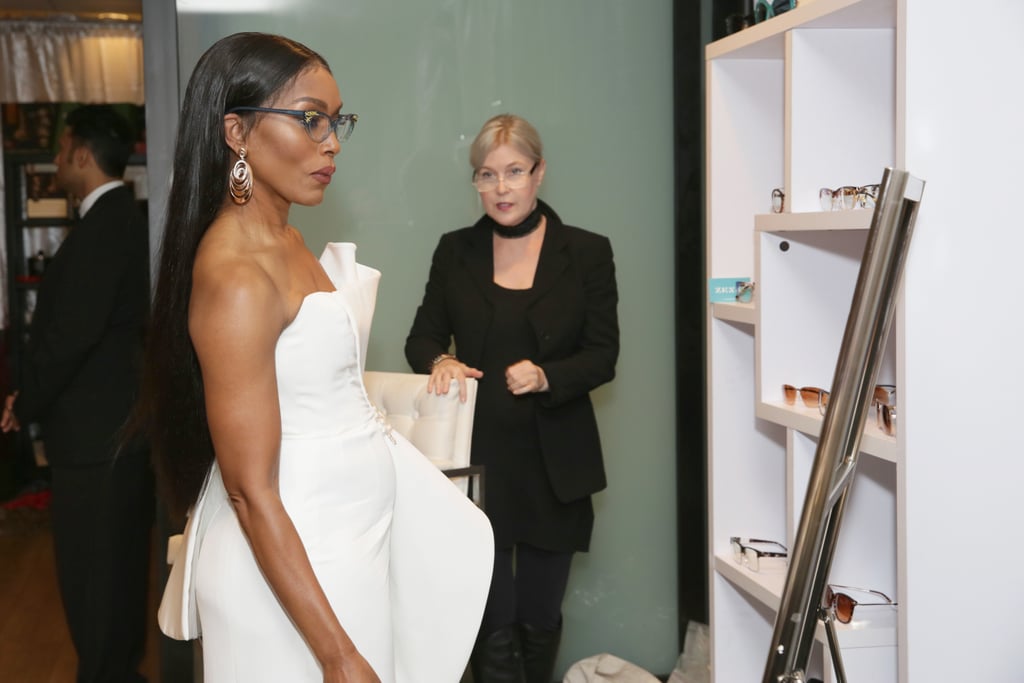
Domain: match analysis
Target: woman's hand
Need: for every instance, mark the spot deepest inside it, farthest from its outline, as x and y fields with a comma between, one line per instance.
x=525, y=378
x=9, y=420
x=447, y=369
x=352, y=669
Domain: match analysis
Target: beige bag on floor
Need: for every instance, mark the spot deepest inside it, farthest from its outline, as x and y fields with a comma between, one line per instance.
x=606, y=668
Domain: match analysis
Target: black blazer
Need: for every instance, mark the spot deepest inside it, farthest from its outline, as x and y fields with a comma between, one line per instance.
x=80, y=373
x=573, y=315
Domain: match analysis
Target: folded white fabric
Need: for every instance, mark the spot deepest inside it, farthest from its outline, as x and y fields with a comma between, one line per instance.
x=608, y=668
x=178, y=615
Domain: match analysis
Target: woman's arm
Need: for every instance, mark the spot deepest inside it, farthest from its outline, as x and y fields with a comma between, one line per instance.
x=431, y=332
x=426, y=347
x=596, y=349
x=235, y=319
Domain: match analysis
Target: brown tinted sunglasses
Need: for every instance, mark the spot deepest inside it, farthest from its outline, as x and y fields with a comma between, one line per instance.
x=841, y=606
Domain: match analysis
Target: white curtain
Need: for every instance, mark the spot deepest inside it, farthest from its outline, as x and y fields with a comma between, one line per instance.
x=71, y=61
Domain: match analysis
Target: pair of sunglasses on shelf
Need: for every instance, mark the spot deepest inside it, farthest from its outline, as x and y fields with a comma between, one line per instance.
x=840, y=606
x=885, y=408
x=883, y=399
x=838, y=602
x=746, y=551
x=848, y=197
x=744, y=292
x=838, y=199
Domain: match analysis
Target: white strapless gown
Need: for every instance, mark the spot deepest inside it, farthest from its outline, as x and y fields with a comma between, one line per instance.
x=404, y=557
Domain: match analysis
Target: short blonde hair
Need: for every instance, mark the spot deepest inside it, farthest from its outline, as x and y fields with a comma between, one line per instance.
x=505, y=129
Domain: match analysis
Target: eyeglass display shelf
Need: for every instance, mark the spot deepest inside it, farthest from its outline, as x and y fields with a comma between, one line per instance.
x=808, y=421
x=766, y=40
x=735, y=312
x=766, y=586
x=847, y=219
x=786, y=108
x=813, y=221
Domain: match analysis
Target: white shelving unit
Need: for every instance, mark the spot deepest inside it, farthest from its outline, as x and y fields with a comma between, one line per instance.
x=825, y=95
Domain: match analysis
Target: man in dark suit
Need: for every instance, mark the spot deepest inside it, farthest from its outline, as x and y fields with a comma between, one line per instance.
x=79, y=381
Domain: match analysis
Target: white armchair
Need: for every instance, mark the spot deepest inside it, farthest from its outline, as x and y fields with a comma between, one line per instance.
x=440, y=426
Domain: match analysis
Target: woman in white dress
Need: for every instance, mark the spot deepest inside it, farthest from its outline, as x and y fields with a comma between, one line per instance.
x=320, y=545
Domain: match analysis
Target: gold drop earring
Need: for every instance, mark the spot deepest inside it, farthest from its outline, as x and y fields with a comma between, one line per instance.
x=240, y=181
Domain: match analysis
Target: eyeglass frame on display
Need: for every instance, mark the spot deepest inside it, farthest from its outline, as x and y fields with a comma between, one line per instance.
x=771, y=8
x=818, y=391
x=307, y=116
x=521, y=180
x=885, y=418
x=860, y=197
x=740, y=548
x=885, y=394
x=831, y=599
x=884, y=401
x=744, y=291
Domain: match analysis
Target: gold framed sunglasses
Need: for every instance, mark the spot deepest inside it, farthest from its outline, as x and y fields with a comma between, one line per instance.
x=811, y=396
x=884, y=401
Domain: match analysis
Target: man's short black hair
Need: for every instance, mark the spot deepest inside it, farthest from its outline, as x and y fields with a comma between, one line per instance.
x=105, y=133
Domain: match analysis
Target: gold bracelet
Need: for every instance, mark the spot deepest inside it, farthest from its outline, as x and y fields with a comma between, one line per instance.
x=440, y=359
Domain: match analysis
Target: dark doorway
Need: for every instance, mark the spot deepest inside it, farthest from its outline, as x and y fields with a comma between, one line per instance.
x=689, y=281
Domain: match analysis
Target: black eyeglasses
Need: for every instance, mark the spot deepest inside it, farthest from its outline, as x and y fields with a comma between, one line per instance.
x=746, y=554
x=318, y=125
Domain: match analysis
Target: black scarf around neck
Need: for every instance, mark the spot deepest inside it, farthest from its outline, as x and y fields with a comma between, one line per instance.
x=523, y=229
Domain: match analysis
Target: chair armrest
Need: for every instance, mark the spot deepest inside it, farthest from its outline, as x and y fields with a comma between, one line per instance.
x=475, y=473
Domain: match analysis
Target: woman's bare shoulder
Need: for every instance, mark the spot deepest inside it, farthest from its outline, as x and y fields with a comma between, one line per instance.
x=229, y=281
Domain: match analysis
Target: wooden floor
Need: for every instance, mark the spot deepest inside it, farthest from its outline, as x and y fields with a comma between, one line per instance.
x=34, y=643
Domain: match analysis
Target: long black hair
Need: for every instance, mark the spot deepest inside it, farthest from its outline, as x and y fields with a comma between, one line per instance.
x=244, y=69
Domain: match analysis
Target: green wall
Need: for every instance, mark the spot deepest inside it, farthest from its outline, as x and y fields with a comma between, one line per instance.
x=595, y=77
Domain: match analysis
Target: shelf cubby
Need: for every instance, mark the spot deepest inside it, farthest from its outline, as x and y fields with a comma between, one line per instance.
x=830, y=94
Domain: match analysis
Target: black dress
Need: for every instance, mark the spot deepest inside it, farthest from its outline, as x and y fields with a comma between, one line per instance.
x=520, y=501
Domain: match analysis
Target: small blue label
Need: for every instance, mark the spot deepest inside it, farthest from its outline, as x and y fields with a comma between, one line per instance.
x=722, y=289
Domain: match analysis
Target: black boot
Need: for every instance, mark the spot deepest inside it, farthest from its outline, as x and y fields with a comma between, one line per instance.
x=540, y=648
x=498, y=657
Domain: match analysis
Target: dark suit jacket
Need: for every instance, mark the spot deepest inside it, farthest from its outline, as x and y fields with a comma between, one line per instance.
x=81, y=368
x=573, y=315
